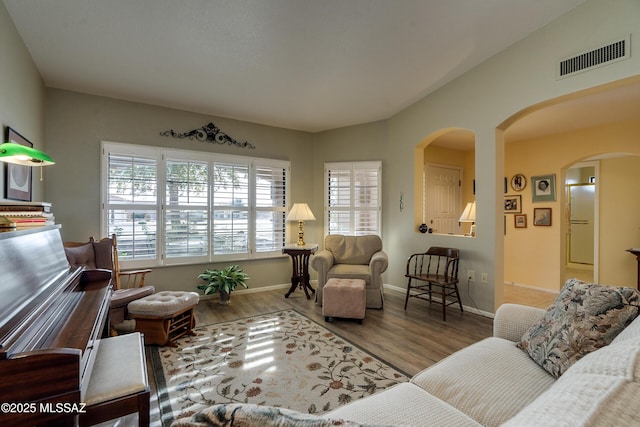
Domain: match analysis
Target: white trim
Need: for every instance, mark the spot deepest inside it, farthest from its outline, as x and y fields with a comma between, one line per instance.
x=466, y=308
x=160, y=156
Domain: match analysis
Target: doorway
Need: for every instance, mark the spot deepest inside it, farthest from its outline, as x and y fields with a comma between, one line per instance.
x=443, y=198
x=582, y=248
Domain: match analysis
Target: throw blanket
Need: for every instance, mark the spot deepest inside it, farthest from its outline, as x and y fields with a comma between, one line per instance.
x=246, y=415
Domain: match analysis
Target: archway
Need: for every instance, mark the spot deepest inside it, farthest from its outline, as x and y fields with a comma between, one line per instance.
x=535, y=255
x=448, y=154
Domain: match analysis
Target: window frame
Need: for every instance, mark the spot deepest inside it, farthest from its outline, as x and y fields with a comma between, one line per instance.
x=162, y=205
x=352, y=168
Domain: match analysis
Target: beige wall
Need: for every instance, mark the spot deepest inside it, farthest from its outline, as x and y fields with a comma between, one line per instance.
x=21, y=96
x=619, y=220
x=535, y=256
x=78, y=123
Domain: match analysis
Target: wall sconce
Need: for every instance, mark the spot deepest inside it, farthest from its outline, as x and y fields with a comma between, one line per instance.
x=300, y=212
x=469, y=215
x=18, y=154
x=11, y=152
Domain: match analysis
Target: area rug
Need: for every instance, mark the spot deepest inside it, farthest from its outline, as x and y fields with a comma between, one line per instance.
x=279, y=359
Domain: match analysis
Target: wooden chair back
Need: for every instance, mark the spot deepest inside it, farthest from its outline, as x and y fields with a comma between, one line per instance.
x=105, y=255
x=438, y=264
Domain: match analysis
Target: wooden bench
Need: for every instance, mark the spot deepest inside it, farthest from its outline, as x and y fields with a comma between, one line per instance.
x=118, y=385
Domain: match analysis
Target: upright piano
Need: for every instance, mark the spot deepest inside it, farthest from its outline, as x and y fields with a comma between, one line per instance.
x=52, y=317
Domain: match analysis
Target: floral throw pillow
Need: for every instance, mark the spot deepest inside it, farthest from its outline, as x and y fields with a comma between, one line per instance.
x=584, y=318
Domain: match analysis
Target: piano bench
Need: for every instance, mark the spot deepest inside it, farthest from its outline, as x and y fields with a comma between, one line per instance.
x=164, y=316
x=118, y=385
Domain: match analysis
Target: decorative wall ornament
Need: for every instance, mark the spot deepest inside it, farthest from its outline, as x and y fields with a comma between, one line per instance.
x=208, y=133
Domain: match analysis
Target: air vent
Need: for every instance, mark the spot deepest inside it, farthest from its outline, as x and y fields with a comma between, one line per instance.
x=613, y=52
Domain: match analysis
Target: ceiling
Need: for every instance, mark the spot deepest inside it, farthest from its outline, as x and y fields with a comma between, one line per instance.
x=309, y=65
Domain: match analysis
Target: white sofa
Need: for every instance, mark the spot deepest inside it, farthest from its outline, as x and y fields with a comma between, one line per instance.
x=495, y=383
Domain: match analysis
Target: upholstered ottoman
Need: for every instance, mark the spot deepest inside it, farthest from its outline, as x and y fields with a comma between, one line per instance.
x=164, y=316
x=344, y=298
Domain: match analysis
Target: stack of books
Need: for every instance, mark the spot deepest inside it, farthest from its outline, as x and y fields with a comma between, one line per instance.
x=23, y=215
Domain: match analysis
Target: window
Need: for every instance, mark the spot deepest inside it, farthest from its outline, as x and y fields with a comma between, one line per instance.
x=353, y=198
x=176, y=206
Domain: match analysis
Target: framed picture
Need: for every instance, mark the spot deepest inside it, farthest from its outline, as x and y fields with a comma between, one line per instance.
x=520, y=220
x=542, y=216
x=518, y=182
x=513, y=204
x=17, y=178
x=543, y=188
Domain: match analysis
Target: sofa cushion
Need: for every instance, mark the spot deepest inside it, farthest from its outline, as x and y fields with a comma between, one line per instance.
x=631, y=331
x=490, y=381
x=584, y=318
x=601, y=389
x=348, y=271
x=353, y=249
x=402, y=404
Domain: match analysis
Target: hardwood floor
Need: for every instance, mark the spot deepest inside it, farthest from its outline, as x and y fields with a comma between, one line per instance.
x=528, y=296
x=410, y=341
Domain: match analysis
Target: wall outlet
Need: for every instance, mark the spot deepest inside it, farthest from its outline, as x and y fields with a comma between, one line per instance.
x=484, y=278
x=471, y=275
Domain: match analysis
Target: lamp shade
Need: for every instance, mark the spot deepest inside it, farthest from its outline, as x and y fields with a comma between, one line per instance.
x=300, y=212
x=469, y=213
x=11, y=152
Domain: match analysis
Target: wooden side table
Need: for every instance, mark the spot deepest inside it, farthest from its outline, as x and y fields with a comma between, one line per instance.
x=300, y=263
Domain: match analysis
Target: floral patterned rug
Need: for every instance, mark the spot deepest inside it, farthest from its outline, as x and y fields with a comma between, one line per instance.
x=280, y=359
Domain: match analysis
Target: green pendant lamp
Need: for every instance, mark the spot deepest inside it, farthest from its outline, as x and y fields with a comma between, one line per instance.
x=10, y=152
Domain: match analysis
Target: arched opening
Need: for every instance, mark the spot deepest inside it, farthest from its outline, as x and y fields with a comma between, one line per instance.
x=444, y=174
x=550, y=140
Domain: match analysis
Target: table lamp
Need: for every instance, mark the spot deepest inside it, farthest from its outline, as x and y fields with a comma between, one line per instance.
x=469, y=215
x=300, y=212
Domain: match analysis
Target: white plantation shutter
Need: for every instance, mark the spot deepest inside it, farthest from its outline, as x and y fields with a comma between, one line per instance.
x=353, y=198
x=177, y=206
x=230, y=207
x=271, y=206
x=186, y=218
x=131, y=203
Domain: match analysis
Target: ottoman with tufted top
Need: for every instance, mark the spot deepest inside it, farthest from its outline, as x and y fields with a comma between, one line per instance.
x=344, y=298
x=164, y=316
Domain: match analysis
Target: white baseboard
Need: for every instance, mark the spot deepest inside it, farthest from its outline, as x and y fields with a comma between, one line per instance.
x=248, y=291
x=391, y=288
x=520, y=285
x=473, y=310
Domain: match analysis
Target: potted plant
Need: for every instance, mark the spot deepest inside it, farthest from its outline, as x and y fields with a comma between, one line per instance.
x=223, y=281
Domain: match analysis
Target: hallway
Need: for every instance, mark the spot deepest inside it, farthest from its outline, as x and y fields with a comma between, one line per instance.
x=533, y=297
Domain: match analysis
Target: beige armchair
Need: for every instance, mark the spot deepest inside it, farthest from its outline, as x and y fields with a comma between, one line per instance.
x=352, y=257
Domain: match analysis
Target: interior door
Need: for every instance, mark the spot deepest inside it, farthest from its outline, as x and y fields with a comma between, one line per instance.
x=442, y=199
x=581, y=224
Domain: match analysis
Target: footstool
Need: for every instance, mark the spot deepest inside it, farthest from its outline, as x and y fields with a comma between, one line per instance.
x=164, y=316
x=344, y=298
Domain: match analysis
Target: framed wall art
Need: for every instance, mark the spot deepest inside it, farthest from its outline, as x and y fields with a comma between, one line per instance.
x=542, y=216
x=543, y=188
x=17, y=179
x=513, y=204
x=518, y=182
x=520, y=220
